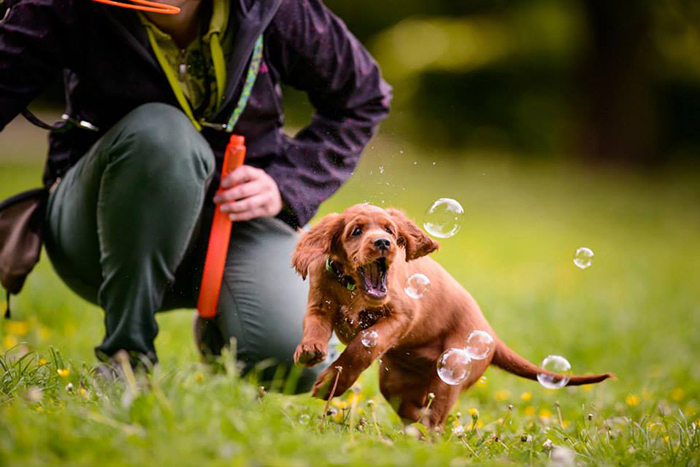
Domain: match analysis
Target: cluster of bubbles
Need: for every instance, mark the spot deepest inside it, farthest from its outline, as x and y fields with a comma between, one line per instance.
x=559, y=372
x=444, y=218
x=583, y=258
x=369, y=338
x=455, y=365
x=417, y=285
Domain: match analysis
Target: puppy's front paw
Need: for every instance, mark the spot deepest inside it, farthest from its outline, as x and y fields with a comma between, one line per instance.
x=310, y=354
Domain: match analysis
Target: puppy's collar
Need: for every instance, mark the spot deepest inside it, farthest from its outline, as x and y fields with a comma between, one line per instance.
x=346, y=281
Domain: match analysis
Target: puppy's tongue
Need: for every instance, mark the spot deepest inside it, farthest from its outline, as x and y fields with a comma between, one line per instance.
x=374, y=274
x=374, y=278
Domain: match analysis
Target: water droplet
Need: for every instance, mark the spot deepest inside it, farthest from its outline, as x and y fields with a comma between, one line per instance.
x=454, y=366
x=369, y=338
x=583, y=257
x=480, y=345
x=381, y=169
x=433, y=163
x=304, y=419
x=555, y=364
x=415, y=162
x=444, y=218
x=417, y=285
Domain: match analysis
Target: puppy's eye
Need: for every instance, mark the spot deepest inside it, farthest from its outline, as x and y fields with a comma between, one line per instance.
x=356, y=231
x=388, y=229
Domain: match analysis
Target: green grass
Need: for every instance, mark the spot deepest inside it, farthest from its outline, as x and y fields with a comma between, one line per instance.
x=635, y=312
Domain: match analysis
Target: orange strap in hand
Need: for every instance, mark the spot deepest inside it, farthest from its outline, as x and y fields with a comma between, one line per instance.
x=219, y=238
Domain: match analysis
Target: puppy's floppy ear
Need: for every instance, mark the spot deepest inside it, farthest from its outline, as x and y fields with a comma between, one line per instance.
x=416, y=242
x=319, y=241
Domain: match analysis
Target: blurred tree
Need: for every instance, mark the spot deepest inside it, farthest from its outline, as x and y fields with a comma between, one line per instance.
x=616, y=99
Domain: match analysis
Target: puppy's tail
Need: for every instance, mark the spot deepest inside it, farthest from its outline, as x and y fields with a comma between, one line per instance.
x=508, y=360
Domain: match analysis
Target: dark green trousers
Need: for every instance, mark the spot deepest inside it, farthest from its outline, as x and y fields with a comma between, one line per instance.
x=128, y=227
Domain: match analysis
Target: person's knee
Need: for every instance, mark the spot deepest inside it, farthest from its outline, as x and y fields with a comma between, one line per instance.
x=166, y=142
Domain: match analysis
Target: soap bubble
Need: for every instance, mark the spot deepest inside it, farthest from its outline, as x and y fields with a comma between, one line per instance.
x=454, y=366
x=369, y=338
x=583, y=257
x=444, y=218
x=304, y=419
x=555, y=364
x=480, y=345
x=417, y=285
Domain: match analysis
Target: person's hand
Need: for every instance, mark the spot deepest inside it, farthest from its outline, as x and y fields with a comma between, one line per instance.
x=248, y=193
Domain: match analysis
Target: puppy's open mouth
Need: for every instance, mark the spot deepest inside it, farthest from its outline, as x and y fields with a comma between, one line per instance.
x=373, y=278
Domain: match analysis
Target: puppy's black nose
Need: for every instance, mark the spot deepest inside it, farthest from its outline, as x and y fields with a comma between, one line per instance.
x=382, y=244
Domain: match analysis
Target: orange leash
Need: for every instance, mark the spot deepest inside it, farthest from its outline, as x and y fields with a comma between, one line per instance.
x=219, y=238
x=144, y=5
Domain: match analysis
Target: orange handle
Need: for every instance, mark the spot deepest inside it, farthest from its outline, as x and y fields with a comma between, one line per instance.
x=143, y=5
x=217, y=249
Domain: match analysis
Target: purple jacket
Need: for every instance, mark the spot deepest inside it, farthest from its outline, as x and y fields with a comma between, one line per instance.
x=109, y=69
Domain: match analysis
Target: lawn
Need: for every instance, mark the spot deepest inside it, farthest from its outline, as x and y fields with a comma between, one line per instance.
x=635, y=312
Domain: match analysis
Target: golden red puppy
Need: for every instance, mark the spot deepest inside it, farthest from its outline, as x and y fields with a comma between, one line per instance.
x=358, y=263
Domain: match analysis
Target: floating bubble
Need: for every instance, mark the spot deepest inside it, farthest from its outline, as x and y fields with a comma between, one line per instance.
x=583, y=257
x=304, y=419
x=480, y=345
x=555, y=364
x=417, y=285
x=454, y=366
x=369, y=338
x=444, y=218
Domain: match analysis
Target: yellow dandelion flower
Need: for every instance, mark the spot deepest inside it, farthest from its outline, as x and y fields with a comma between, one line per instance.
x=666, y=439
x=587, y=387
x=502, y=395
x=9, y=341
x=678, y=394
x=42, y=361
x=338, y=417
x=529, y=411
x=565, y=424
x=526, y=396
x=545, y=413
x=479, y=424
x=63, y=372
x=470, y=426
x=473, y=412
x=482, y=381
x=339, y=403
x=20, y=328
x=82, y=392
x=199, y=377
x=632, y=400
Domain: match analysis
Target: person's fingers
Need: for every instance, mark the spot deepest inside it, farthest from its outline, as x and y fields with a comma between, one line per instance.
x=244, y=190
x=244, y=173
x=262, y=211
x=247, y=204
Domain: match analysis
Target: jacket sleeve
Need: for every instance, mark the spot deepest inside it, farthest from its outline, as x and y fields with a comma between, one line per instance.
x=313, y=51
x=34, y=38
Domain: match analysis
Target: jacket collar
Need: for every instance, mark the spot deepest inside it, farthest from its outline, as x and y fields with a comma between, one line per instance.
x=346, y=281
x=248, y=18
